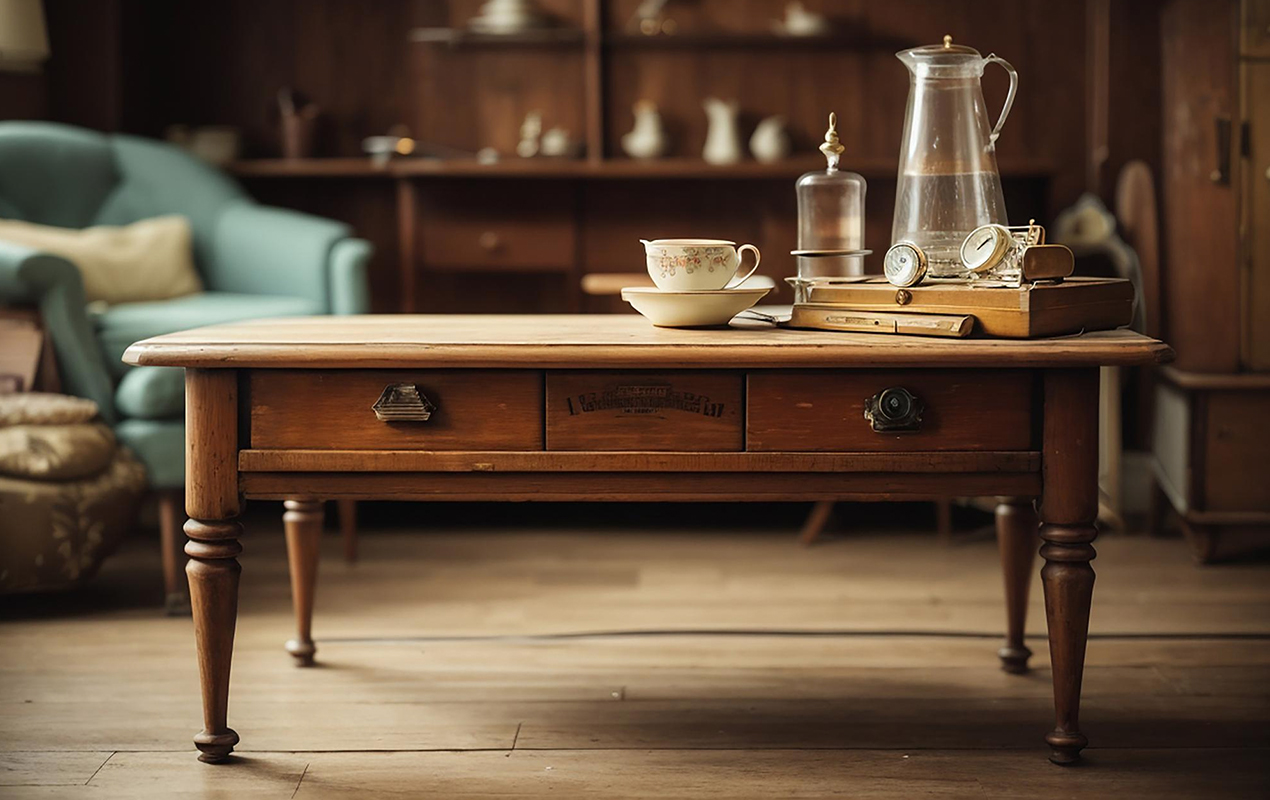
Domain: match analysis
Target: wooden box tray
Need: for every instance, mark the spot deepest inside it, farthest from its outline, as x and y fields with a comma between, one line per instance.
x=1043, y=309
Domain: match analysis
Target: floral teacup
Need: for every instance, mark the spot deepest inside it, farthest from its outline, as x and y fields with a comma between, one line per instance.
x=695, y=265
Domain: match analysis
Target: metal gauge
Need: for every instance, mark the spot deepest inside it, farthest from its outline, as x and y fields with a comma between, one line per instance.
x=905, y=264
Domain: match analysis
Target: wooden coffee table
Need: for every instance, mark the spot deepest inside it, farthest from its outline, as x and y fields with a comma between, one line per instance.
x=610, y=408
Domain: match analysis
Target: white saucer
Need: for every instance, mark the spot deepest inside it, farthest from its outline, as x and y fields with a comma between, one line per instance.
x=667, y=309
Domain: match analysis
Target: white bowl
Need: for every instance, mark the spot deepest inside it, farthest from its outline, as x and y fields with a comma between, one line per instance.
x=692, y=309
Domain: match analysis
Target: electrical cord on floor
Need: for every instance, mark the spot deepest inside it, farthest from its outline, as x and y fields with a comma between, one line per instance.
x=769, y=632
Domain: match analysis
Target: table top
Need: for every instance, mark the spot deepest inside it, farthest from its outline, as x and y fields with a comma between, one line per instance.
x=605, y=341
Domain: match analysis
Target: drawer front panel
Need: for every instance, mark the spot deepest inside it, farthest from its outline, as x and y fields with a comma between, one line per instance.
x=472, y=224
x=824, y=410
x=331, y=410
x=667, y=411
x=1237, y=430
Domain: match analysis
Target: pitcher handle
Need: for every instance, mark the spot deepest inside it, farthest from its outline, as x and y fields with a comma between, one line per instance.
x=993, y=58
x=740, y=253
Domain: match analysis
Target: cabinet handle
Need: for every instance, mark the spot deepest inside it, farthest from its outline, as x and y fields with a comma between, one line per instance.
x=490, y=241
x=403, y=402
x=894, y=409
x=1221, y=174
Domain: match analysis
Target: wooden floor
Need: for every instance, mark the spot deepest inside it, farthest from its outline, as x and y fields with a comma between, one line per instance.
x=719, y=663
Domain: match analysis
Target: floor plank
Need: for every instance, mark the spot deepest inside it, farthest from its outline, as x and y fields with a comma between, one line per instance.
x=686, y=663
x=43, y=768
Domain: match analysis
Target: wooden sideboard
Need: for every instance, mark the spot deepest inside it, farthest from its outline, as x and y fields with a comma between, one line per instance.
x=1212, y=405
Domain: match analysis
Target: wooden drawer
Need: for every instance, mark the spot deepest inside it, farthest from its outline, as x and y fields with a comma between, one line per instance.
x=667, y=411
x=1236, y=430
x=824, y=411
x=331, y=410
x=485, y=225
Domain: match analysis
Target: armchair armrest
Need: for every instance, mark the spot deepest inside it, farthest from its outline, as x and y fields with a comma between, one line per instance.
x=264, y=250
x=54, y=284
x=350, y=289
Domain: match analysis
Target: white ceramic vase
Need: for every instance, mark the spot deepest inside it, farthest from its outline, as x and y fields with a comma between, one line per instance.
x=723, y=136
x=648, y=138
x=770, y=141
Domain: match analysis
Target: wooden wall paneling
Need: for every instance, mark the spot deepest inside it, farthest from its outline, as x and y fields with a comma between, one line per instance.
x=24, y=95
x=593, y=79
x=346, y=56
x=85, y=70
x=407, y=244
x=1133, y=132
x=1202, y=281
x=350, y=58
x=471, y=98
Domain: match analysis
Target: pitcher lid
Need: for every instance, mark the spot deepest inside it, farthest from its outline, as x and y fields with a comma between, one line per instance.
x=945, y=60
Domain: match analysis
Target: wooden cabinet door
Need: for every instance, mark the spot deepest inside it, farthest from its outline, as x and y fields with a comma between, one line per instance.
x=1200, y=165
x=1256, y=216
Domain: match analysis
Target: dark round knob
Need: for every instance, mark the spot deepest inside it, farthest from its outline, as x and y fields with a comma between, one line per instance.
x=894, y=409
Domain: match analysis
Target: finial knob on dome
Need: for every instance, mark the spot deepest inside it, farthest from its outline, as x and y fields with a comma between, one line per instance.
x=832, y=147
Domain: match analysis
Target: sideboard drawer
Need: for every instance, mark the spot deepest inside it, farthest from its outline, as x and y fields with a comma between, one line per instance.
x=332, y=410
x=824, y=410
x=664, y=411
x=517, y=226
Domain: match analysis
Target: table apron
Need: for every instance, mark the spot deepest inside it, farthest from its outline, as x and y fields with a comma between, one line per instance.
x=687, y=486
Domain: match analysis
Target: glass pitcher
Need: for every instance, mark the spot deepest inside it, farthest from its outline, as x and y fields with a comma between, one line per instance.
x=948, y=182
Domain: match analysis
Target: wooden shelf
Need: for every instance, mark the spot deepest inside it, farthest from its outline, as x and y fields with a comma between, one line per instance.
x=566, y=169
x=458, y=37
x=308, y=168
x=574, y=37
x=755, y=41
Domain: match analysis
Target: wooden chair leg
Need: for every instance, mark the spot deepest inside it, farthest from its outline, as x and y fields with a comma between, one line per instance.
x=346, y=510
x=943, y=520
x=302, y=521
x=176, y=599
x=1017, y=538
x=1157, y=510
x=815, y=523
x=1203, y=540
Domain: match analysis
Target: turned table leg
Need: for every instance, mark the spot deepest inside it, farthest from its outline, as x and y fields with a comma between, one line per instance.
x=1017, y=540
x=211, y=501
x=1069, y=508
x=303, y=523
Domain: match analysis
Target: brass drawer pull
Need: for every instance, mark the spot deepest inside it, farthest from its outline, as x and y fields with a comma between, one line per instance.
x=894, y=409
x=403, y=402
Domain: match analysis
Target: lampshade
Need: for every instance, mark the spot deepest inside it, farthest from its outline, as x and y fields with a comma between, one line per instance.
x=24, y=42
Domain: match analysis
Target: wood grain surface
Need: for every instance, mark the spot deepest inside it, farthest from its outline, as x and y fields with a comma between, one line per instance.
x=649, y=410
x=732, y=717
x=600, y=486
x=331, y=410
x=824, y=411
x=565, y=461
x=603, y=341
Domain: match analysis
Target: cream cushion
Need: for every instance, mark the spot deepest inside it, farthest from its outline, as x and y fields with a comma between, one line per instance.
x=148, y=260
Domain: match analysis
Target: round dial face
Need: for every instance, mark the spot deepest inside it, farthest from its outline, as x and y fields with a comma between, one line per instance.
x=905, y=264
x=985, y=247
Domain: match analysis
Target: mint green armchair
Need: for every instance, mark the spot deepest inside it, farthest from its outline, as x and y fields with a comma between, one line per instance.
x=255, y=261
